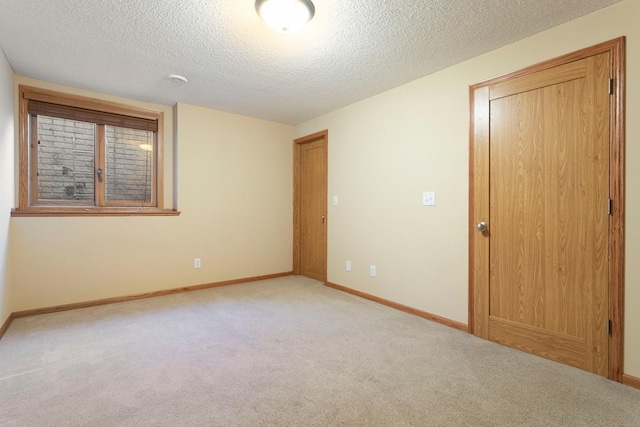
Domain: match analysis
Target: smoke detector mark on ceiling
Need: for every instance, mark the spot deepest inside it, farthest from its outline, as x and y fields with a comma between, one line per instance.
x=177, y=79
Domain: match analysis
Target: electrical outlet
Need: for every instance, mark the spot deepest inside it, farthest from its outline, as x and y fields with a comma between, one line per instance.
x=372, y=270
x=197, y=263
x=429, y=198
x=348, y=265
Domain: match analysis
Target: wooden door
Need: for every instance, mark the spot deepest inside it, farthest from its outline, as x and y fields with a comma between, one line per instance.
x=541, y=269
x=311, y=203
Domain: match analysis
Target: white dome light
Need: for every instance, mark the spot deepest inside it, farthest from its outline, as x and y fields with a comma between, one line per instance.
x=285, y=16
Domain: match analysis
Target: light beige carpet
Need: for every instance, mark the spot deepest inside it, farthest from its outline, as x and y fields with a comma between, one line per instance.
x=285, y=352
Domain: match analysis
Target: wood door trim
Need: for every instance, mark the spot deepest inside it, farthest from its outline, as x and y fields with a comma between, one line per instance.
x=478, y=321
x=617, y=194
x=296, y=195
x=478, y=163
x=608, y=46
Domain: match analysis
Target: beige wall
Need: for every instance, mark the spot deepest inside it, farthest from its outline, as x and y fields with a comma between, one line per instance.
x=6, y=180
x=386, y=150
x=234, y=188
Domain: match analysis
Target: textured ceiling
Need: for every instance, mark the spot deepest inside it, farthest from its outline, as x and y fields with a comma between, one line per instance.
x=351, y=50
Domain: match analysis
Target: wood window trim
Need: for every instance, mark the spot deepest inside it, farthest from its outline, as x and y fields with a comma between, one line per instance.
x=25, y=208
x=91, y=211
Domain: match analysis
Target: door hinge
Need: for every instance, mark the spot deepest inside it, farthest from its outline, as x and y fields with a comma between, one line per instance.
x=609, y=207
x=610, y=86
x=608, y=326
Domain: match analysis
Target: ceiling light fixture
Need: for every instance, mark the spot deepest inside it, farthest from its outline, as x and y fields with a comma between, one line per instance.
x=177, y=78
x=285, y=16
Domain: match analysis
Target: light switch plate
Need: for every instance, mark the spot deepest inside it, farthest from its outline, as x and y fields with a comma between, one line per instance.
x=335, y=200
x=429, y=198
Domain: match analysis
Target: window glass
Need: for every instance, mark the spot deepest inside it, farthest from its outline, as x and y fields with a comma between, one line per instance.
x=65, y=159
x=129, y=163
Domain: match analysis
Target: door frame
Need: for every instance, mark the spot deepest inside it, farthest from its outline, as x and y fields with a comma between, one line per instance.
x=479, y=206
x=297, y=143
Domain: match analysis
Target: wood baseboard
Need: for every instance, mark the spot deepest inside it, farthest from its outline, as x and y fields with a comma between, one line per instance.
x=6, y=324
x=433, y=317
x=626, y=379
x=114, y=300
x=631, y=381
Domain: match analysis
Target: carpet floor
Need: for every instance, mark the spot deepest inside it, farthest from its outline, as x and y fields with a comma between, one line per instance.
x=283, y=352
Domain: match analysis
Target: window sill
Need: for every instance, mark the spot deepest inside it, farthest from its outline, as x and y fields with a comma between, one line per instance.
x=92, y=211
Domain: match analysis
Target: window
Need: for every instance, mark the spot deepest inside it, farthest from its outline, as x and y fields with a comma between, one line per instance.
x=83, y=156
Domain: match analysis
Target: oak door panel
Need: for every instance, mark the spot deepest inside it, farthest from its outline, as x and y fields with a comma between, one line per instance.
x=313, y=201
x=548, y=218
